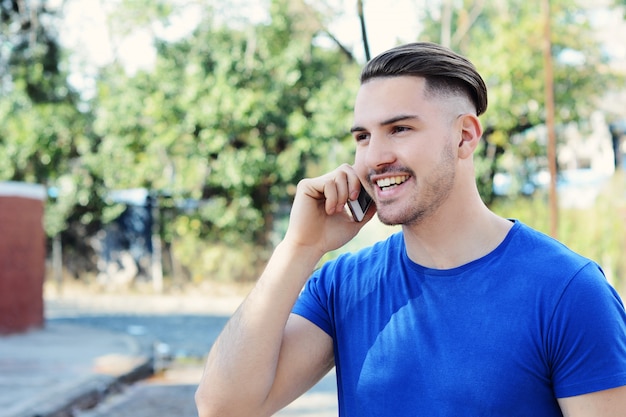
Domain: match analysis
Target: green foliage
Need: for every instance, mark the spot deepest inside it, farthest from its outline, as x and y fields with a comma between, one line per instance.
x=43, y=135
x=233, y=117
x=505, y=42
x=219, y=262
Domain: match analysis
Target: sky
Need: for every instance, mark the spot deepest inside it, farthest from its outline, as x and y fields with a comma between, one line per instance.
x=85, y=29
x=387, y=22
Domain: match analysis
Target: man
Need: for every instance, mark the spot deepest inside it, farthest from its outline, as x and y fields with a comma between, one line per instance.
x=463, y=313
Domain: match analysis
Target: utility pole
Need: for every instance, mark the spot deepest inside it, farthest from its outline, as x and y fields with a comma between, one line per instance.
x=549, y=91
x=366, y=44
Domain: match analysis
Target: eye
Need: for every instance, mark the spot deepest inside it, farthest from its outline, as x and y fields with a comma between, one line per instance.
x=359, y=137
x=400, y=129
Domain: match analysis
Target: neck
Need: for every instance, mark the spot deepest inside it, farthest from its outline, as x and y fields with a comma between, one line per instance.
x=455, y=236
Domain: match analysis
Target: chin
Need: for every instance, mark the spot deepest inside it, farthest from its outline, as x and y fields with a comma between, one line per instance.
x=388, y=222
x=397, y=219
x=391, y=220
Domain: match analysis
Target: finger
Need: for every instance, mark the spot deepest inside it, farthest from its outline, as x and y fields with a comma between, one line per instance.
x=330, y=195
x=343, y=192
x=351, y=180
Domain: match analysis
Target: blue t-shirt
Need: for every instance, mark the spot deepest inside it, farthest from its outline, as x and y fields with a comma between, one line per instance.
x=504, y=335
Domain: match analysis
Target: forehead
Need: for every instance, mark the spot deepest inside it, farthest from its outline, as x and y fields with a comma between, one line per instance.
x=387, y=96
x=404, y=85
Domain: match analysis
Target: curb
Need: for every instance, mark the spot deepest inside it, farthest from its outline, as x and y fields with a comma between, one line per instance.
x=78, y=380
x=88, y=393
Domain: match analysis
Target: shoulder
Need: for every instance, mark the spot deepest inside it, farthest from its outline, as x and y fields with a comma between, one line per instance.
x=354, y=271
x=345, y=278
x=372, y=258
x=534, y=239
x=551, y=268
x=538, y=250
x=541, y=271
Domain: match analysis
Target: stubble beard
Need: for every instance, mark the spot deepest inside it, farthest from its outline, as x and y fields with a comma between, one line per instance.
x=432, y=192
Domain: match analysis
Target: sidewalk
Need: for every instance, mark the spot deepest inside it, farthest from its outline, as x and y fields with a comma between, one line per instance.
x=51, y=371
x=78, y=370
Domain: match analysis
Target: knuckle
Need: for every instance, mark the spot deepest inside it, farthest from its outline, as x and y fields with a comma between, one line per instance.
x=303, y=183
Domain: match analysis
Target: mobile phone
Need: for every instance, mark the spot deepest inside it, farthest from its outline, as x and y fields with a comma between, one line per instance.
x=359, y=207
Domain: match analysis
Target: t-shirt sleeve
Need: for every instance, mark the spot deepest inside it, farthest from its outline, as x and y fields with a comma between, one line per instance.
x=586, y=342
x=312, y=304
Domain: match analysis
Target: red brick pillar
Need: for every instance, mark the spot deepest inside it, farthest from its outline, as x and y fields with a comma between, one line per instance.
x=22, y=256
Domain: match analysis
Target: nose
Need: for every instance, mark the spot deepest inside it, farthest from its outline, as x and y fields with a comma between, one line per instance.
x=379, y=152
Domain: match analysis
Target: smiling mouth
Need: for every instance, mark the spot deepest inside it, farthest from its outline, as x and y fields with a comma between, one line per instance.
x=391, y=182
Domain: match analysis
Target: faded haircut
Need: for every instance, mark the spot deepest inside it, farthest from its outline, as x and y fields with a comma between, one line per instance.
x=445, y=71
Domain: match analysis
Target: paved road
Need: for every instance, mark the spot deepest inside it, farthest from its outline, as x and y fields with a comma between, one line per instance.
x=172, y=395
x=182, y=335
x=185, y=338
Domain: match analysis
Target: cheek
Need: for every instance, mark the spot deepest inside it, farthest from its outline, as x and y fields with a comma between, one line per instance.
x=360, y=166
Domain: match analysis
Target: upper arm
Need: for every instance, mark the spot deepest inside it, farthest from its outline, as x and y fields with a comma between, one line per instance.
x=306, y=355
x=607, y=403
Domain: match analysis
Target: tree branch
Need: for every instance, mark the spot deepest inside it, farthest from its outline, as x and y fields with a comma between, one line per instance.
x=462, y=30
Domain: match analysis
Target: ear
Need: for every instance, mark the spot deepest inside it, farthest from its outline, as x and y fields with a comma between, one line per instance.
x=471, y=132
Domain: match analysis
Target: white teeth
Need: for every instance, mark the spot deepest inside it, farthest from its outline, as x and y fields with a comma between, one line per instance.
x=390, y=181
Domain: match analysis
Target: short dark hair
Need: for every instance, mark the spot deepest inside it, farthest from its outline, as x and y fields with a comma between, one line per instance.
x=443, y=69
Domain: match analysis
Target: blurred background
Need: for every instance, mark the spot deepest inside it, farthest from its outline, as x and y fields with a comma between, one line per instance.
x=170, y=134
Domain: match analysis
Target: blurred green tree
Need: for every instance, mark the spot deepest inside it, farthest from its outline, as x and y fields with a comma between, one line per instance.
x=230, y=118
x=43, y=134
x=233, y=114
x=504, y=39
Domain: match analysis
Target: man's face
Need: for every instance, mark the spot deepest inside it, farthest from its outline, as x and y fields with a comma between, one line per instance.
x=405, y=147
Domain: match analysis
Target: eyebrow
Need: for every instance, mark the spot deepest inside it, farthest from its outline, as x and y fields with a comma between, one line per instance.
x=387, y=122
